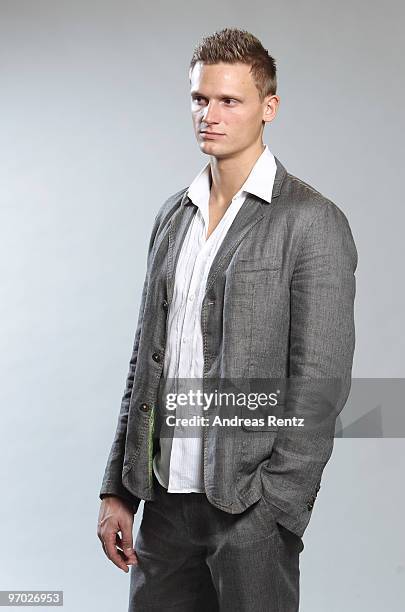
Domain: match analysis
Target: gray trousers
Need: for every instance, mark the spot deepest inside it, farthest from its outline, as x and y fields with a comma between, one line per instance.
x=194, y=557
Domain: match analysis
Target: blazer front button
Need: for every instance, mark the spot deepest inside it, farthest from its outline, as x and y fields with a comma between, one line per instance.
x=157, y=357
x=144, y=407
x=310, y=502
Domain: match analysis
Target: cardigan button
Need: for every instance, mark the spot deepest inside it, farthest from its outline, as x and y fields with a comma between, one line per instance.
x=144, y=407
x=165, y=304
x=157, y=357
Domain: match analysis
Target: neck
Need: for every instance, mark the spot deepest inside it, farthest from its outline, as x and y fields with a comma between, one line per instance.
x=229, y=173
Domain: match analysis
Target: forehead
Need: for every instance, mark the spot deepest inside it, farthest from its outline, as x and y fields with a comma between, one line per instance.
x=210, y=78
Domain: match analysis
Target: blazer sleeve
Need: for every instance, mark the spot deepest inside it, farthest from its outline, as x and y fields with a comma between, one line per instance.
x=112, y=483
x=321, y=348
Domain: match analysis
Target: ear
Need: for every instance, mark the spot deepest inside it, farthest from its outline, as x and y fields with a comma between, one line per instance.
x=270, y=106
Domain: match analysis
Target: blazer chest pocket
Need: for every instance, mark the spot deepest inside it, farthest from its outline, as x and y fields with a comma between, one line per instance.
x=256, y=265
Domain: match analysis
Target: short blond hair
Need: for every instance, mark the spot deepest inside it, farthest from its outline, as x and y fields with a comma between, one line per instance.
x=232, y=45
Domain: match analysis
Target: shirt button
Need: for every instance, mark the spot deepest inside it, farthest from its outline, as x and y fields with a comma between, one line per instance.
x=157, y=357
x=184, y=340
x=144, y=407
x=191, y=297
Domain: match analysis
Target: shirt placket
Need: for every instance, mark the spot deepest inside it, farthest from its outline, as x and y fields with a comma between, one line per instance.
x=187, y=366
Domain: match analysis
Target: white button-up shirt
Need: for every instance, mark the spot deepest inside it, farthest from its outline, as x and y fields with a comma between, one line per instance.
x=179, y=464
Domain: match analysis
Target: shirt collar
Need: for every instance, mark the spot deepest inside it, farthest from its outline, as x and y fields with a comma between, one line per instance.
x=259, y=182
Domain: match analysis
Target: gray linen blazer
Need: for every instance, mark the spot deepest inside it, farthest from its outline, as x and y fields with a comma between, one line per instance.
x=279, y=304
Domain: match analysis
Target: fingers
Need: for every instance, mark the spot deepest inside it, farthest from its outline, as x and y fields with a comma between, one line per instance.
x=129, y=560
x=127, y=545
x=113, y=547
x=112, y=552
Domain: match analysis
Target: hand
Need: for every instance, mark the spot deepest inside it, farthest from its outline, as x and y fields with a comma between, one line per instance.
x=115, y=516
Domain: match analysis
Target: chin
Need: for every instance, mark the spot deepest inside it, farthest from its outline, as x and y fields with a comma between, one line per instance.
x=211, y=144
x=215, y=149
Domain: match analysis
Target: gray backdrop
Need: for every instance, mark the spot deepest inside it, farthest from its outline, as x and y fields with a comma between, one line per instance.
x=94, y=115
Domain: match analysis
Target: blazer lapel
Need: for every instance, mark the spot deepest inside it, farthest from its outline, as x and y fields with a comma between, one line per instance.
x=250, y=213
x=179, y=224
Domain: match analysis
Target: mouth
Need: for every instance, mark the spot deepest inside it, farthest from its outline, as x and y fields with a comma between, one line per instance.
x=210, y=135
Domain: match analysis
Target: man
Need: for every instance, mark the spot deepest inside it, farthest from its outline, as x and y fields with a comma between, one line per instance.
x=250, y=277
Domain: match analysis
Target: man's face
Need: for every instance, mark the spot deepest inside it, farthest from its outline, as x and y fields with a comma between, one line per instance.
x=225, y=101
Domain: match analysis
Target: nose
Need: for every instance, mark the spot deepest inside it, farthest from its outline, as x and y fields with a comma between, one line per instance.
x=211, y=113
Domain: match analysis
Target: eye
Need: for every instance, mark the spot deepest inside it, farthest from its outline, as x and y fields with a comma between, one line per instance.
x=229, y=101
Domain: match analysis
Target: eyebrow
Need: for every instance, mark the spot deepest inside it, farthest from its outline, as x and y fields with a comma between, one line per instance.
x=195, y=94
